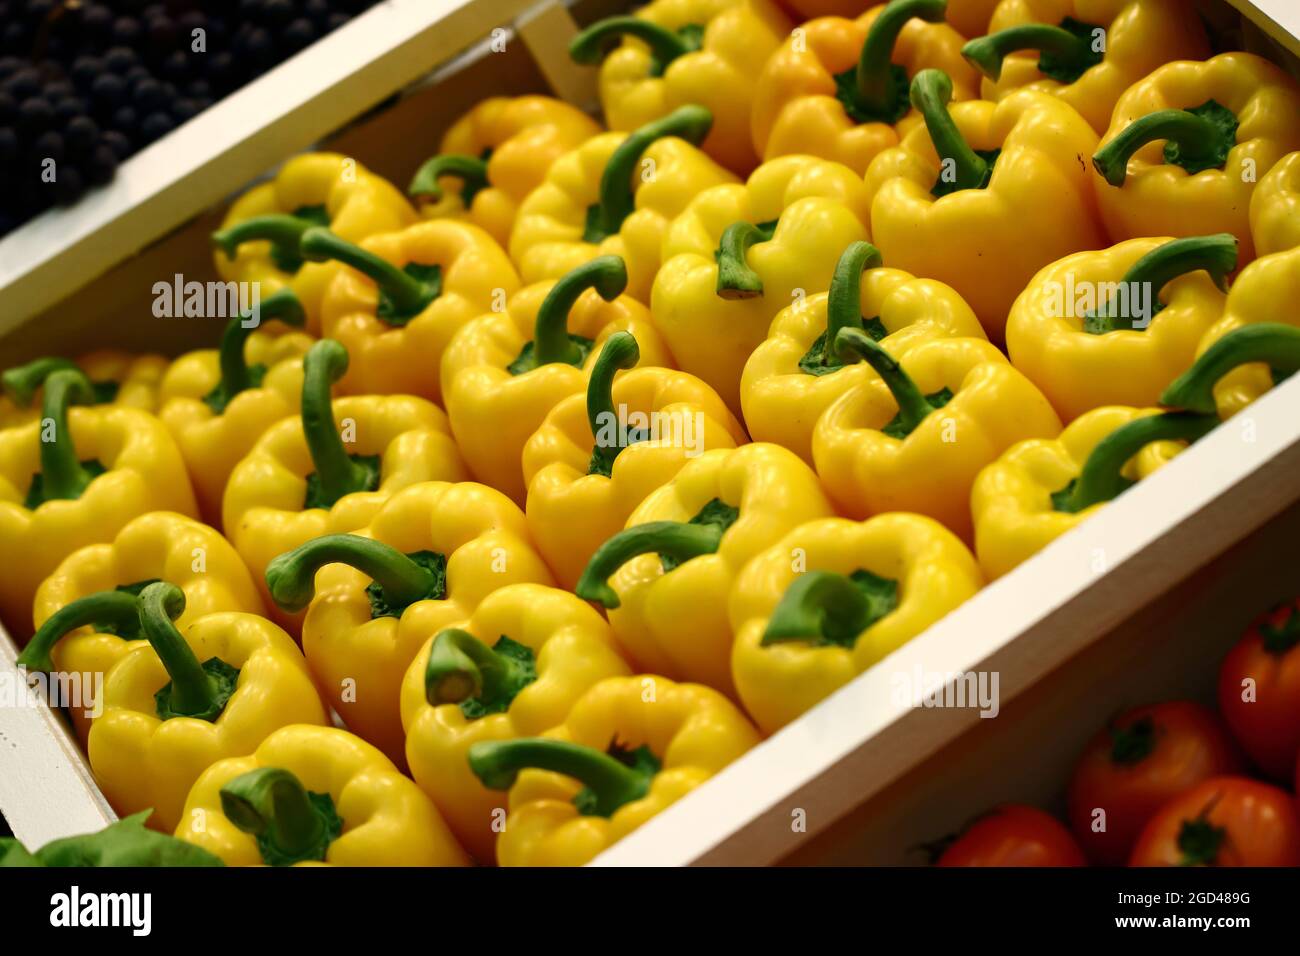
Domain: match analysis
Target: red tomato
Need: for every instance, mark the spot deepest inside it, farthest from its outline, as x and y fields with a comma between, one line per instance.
x=1224, y=821
x=1264, y=668
x=1144, y=759
x=1014, y=835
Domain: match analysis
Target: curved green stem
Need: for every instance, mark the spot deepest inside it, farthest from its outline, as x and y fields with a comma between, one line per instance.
x=118, y=609
x=588, y=47
x=283, y=231
x=1216, y=254
x=21, y=383
x=913, y=406
x=63, y=475
x=551, y=343
x=613, y=784
x=401, y=292
x=1070, y=50
x=930, y=93
x=1101, y=478
x=677, y=539
x=1276, y=344
x=844, y=301
x=194, y=692
x=235, y=373
x=875, y=80
x=819, y=605
x=1200, y=142
x=736, y=280
x=322, y=366
x=461, y=666
x=620, y=352
x=469, y=169
x=272, y=804
x=291, y=577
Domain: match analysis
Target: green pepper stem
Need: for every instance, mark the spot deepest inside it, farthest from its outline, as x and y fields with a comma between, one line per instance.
x=235, y=374
x=606, y=274
x=194, y=693
x=665, y=45
x=291, y=577
x=407, y=293
x=1195, y=136
x=913, y=406
x=844, y=302
x=115, y=608
x=1216, y=254
x=497, y=763
x=283, y=231
x=818, y=604
x=617, y=201
x=460, y=667
x=272, y=803
x=677, y=539
x=21, y=383
x=874, y=78
x=987, y=52
x=322, y=366
x=1101, y=478
x=620, y=352
x=736, y=280
x=930, y=93
x=470, y=169
x=1272, y=342
x=64, y=476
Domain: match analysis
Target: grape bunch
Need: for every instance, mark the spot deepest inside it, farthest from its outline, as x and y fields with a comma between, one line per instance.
x=86, y=83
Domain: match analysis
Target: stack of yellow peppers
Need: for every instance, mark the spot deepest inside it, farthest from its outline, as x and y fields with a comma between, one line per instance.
x=613, y=450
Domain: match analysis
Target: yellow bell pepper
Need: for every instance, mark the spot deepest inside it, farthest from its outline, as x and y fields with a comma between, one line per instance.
x=1087, y=52
x=1187, y=145
x=665, y=579
x=859, y=592
x=85, y=612
x=1275, y=208
x=615, y=195
x=970, y=18
x=1099, y=328
x=740, y=254
x=1041, y=488
x=838, y=88
x=217, y=402
x=984, y=195
x=505, y=371
x=676, y=52
x=792, y=377
x=405, y=296
x=315, y=795
x=426, y=560
x=77, y=477
x=301, y=480
x=514, y=669
x=119, y=378
x=597, y=456
x=181, y=702
x=630, y=747
x=915, y=438
x=498, y=153
x=258, y=239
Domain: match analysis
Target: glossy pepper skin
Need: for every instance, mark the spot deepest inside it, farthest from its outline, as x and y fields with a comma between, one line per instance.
x=914, y=438
x=179, y=703
x=838, y=88
x=664, y=580
x=678, y=52
x=1187, y=145
x=1054, y=46
x=429, y=556
x=315, y=795
x=615, y=195
x=654, y=420
x=792, y=377
x=1037, y=490
x=995, y=225
x=217, y=402
x=676, y=735
x=101, y=467
x=505, y=371
x=861, y=591
x=727, y=271
x=1116, y=326
x=1275, y=208
x=119, y=378
x=329, y=470
x=404, y=297
x=258, y=239
x=512, y=669
x=494, y=156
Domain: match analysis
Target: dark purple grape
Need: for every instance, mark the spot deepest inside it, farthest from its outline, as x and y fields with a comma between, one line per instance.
x=85, y=69
x=198, y=89
x=335, y=21
x=81, y=133
x=108, y=90
x=119, y=59
x=58, y=90
x=221, y=68
x=156, y=125
x=23, y=84
x=69, y=186
x=299, y=34
x=49, y=145
x=101, y=164
x=39, y=9
x=69, y=108
x=176, y=66
x=162, y=32
x=184, y=109
x=16, y=38
x=154, y=10
x=8, y=108
x=117, y=142
x=9, y=65
x=192, y=20
x=261, y=48
x=147, y=95
x=127, y=31
x=277, y=12
x=35, y=114
x=125, y=119
x=9, y=146
x=96, y=21
x=137, y=73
